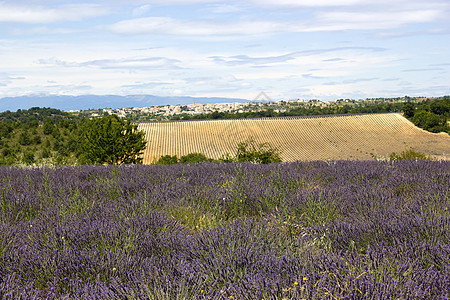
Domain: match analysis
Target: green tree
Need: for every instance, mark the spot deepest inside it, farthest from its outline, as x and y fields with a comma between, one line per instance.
x=48, y=126
x=440, y=107
x=111, y=140
x=25, y=139
x=264, y=153
x=5, y=130
x=167, y=160
x=429, y=121
x=28, y=157
x=45, y=153
x=409, y=154
x=37, y=139
x=193, y=158
x=408, y=110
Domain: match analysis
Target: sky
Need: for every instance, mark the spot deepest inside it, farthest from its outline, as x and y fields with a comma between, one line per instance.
x=289, y=49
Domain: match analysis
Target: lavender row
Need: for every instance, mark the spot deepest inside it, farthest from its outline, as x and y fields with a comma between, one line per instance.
x=316, y=230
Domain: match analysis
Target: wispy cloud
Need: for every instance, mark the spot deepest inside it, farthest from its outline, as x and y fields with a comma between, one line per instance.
x=6, y=79
x=315, y=21
x=422, y=69
x=146, y=85
x=62, y=88
x=245, y=59
x=310, y=76
x=224, y=8
x=357, y=80
x=42, y=30
x=359, y=20
x=309, y=3
x=141, y=10
x=333, y=59
x=171, y=26
x=125, y=63
x=220, y=83
x=30, y=14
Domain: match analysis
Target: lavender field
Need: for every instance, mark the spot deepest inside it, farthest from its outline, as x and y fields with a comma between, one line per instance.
x=312, y=230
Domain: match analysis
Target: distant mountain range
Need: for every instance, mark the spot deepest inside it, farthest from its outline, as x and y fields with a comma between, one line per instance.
x=85, y=102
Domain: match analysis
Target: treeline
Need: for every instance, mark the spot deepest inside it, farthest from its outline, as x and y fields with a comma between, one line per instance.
x=298, y=111
x=38, y=135
x=52, y=137
x=430, y=114
x=35, y=114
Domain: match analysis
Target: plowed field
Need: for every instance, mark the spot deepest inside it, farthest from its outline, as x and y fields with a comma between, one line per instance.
x=303, y=138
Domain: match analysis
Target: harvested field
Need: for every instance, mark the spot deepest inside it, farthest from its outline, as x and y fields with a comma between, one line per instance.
x=356, y=137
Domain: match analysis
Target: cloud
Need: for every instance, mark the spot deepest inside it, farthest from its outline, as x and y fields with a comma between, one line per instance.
x=61, y=88
x=141, y=10
x=369, y=20
x=357, y=80
x=224, y=9
x=422, y=69
x=351, y=18
x=146, y=85
x=440, y=65
x=217, y=83
x=29, y=14
x=180, y=2
x=6, y=79
x=128, y=63
x=362, y=4
x=42, y=30
x=351, y=81
x=244, y=59
x=171, y=26
x=309, y=3
x=310, y=76
x=333, y=59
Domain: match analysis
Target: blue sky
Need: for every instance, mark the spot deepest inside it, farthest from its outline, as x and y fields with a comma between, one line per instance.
x=308, y=49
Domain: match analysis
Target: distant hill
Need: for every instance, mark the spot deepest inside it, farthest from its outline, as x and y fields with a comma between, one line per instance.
x=85, y=102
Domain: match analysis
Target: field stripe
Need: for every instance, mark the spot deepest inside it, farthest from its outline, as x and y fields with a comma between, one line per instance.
x=310, y=138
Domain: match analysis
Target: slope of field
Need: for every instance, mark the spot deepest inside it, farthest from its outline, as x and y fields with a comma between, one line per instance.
x=306, y=138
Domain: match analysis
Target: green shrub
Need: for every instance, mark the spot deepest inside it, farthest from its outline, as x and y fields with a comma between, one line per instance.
x=25, y=139
x=28, y=158
x=167, y=160
x=193, y=158
x=409, y=154
x=264, y=153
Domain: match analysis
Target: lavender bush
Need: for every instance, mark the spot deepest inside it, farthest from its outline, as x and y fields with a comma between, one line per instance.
x=313, y=230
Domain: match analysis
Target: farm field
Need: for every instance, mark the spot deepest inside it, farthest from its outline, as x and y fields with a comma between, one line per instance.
x=300, y=230
x=357, y=137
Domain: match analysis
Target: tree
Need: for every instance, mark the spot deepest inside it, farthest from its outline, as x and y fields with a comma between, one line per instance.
x=408, y=110
x=111, y=140
x=48, y=126
x=25, y=139
x=440, y=107
x=168, y=160
x=28, y=157
x=250, y=151
x=194, y=158
x=429, y=121
x=409, y=154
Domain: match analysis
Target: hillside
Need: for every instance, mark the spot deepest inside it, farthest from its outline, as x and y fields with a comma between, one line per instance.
x=305, y=138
